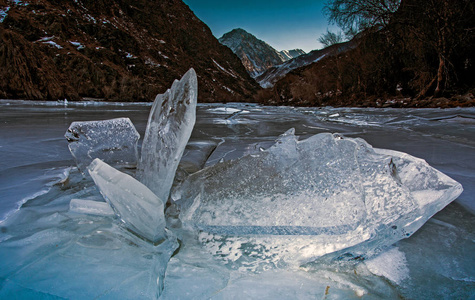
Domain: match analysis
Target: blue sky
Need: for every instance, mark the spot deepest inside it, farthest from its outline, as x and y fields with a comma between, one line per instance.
x=284, y=25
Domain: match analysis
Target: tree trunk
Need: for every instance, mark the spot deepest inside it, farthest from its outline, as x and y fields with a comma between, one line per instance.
x=440, y=77
x=423, y=93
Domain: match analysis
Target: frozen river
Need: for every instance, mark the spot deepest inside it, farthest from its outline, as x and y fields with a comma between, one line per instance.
x=48, y=252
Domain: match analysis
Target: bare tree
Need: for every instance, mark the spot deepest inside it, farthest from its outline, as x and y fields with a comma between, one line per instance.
x=439, y=30
x=330, y=38
x=357, y=15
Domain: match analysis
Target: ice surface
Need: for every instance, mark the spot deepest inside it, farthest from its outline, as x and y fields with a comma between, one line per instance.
x=138, y=207
x=304, y=199
x=52, y=253
x=113, y=141
x=169, y=127
x=194, y=158
x=91, y=207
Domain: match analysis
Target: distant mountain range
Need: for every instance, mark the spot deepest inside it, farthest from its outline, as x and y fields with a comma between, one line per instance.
x=290, y=54
x=267, y=65
x=256, y=55
x=127, y=50
x=268, y=78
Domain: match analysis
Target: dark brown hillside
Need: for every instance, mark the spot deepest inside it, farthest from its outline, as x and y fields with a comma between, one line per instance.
x=424, y=57
x=118, y=50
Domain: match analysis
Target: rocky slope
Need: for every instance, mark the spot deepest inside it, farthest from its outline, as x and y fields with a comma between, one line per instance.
x=268, y=78
x=290, y=54
x=423, y=57
x=255, y=54
x=117, y=50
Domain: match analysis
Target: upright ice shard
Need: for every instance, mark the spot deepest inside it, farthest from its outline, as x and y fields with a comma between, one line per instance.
x=304, y=199
x=113, y=141
x=169, y=127
x=138, y=207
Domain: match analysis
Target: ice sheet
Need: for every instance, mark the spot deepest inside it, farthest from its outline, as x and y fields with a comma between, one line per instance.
x=53, y=253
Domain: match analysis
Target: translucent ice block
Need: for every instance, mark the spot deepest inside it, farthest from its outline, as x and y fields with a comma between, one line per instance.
x=113, y=141
x=169, y=127
x=138, y=207
x=304, y=199
x=91, y=207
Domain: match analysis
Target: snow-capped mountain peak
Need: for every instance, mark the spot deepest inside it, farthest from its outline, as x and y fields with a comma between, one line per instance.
x=256, y=55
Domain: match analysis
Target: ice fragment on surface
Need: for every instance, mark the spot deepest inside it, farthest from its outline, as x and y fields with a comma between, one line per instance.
x=90, y=207
x=138, y=207
x=304, y=199
x=304, y=186
x=169, y=127
x=113, y=141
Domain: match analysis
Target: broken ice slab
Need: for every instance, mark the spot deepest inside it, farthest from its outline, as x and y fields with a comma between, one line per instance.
x=138, y=207
x=91, y=207
x=196, y=154
x=169, y=127
x=299, y=200
x=283, y=186
x=113, y=141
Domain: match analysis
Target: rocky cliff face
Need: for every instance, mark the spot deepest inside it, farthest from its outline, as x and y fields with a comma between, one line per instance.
x=290, y=54
x=117, y=50
x=256, y=55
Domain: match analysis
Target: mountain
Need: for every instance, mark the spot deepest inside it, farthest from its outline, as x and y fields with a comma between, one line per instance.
x=127, y=50
x=290, y=54
x=255, y=54
x=268, y=78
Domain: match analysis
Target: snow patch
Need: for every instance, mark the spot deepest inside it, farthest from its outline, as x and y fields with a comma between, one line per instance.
x=90, y=18
x=4, y=13
x=319, y=58
x=152, y=63
x=163, y=55
x=78, y=45
x=228, y=89
x=129, y=55
x=49, y=41
x=223, y=69
x=53, y=44
x=19, y=2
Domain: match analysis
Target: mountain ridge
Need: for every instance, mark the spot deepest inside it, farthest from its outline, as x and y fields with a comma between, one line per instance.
x=256, y=55
x=290, y=54
x=115, y=50
x=268, y=78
